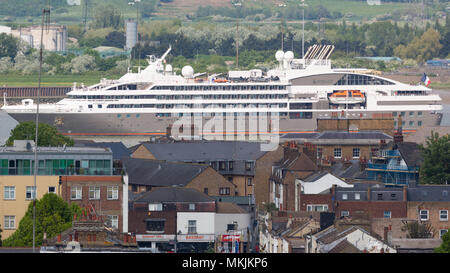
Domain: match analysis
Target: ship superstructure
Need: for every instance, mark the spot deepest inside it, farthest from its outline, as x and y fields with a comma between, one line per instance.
x=297, y=92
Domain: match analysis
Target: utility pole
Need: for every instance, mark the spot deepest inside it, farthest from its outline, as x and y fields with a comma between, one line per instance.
x=237, y=44
x=303, y=28
x=85, y=13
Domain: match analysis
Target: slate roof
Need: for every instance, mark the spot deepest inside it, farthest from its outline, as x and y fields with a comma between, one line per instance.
x=206, y=150
x=118, y=148
x=174, y=194
x=224, y=207
x=335, y=234
x=435, y=193
x=315, y=176
x=353, y=171
x=411, y=153
x=338, y=135
x=159, y=173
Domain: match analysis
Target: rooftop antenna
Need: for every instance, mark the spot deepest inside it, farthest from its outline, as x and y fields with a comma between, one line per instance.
x=45, y=25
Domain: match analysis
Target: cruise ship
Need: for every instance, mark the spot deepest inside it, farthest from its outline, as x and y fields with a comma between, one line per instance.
x=295, y=94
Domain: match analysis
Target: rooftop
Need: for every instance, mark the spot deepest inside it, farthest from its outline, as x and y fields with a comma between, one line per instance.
x=159, y=173
x=174, y=195
x=431, y=193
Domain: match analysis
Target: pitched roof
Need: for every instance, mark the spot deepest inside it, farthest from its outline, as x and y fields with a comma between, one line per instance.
x=159, y=173
x=432, y=193
x=344, y=247
x=206, y=150
x=335, y=234
x=174, y=194
x=411, y=153
x=224, y=207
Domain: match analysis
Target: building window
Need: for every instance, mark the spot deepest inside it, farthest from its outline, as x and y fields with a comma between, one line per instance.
x=248, y=165
x=249, y=181
x=356, y=152
x=419, y=123
x=393, y=196
x=411, y=123
x=30, y=193
x=222, y=165
x=402, y=114
x=9, y=222
x=394, y=114
x=345, y=213
x=411, y=114
x=113, y=221
x=317, y=208
x=423, y=215
x=344, y=196
x=442, y=232
x=155, y=207
x=155, y=225
x=443, y=215
x=94, y=193
x=380, y=196
x=113, y=193
x=224, y=191
x=357, y=196
x=230, y=165
x=75, y=193
x=191, y=206
x=51, y=189
x=192, y=226
x=205, y=190
x=387, y=214
x=9, y=193
x=337, y=152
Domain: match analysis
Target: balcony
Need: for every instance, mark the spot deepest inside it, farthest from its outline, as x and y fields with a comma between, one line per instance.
x=61, y=171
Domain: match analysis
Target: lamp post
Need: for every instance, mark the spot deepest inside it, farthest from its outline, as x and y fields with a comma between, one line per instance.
x=137, y=23
x=303, y=28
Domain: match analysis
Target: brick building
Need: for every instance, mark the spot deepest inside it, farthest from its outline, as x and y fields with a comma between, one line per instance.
x=294, y=165
x=147, y=175
x=104, y=193
x=155, y=219
x=245, y=164
x=430, y=204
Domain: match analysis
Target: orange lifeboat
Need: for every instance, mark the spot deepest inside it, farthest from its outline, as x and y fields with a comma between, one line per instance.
x=347, y=96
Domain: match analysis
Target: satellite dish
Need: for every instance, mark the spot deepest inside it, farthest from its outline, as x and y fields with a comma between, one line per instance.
x=289, y=56
x=187, y=71
x=279, y=55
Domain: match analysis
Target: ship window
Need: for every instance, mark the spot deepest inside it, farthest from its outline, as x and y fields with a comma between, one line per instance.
x=90, y=106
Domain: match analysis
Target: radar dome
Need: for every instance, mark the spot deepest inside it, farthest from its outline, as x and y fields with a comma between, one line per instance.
x=289, y=56
x=187, y=71
x=169, y=68
x=279, y=55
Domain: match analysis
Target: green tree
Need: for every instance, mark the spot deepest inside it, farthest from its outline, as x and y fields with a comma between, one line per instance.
x=445, y=246
x=47, y=134
x=108, y=16
x=9, y=46
x=53, y=216
x=417, y=230
x=435, y=168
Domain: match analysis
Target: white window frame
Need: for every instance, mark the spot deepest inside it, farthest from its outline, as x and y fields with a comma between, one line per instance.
x=155, y=207
x=359, y=152
x=30, y=190
x=192, y=226
x=11, y=190
x=192, y=206
x=95, y=191
x=388, y=213
x=344, y=196
x=112, y=193
x=313, y=207
x=78, y=193
x=442, y=232
x=337, y=151
x=440, y=215
x=7, y=220
x=420, y=215
x=357, y=196
x=114, y=221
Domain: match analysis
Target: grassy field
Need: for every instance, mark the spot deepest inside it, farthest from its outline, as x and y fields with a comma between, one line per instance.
x=55, y=80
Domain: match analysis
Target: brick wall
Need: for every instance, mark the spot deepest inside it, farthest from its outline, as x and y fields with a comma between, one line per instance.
x=211, y=180
x=139, y=212
x=315, y=199
x=103, y=206
x=374, y=208
x=263, y=171
x=433, y=214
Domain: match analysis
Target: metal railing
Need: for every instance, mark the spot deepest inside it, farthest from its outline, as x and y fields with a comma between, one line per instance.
x=61, y=171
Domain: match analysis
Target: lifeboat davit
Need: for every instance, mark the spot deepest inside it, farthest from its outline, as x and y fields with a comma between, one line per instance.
x=347, y=96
